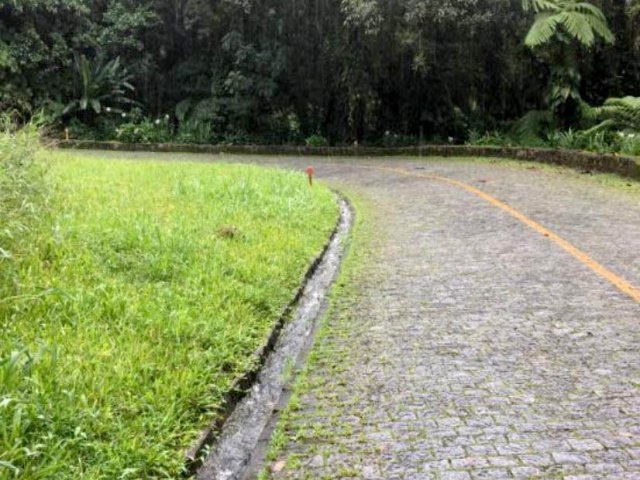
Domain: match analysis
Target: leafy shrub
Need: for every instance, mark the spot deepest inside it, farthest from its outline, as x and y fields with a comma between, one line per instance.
x=194, y=131
x=494, y=138
x=238, y=138
x=535, y=124
x=144, y=131
x=629, y=143
x=81, y=131
x=592, y=141
x=97, y=83
x=293, y=124
x=601, y=142
x=284, y=127
x=316, y=141
x=569, y=139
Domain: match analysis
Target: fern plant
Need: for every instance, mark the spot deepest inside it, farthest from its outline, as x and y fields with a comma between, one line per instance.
x=581, y=21
x=559, y=28
x=621, y=114
x=534, y=124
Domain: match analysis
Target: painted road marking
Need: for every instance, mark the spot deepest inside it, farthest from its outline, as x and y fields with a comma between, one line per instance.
x=622, y=284
x=616, y=280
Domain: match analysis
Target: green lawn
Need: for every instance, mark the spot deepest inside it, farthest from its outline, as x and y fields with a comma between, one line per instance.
x=135, y=305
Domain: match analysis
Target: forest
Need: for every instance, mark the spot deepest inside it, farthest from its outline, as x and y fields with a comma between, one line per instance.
x=561, y=73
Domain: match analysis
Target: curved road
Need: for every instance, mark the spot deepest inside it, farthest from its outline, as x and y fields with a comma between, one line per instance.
x=470, y=345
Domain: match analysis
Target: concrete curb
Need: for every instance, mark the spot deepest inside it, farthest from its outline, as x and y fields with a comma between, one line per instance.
x=608, y=163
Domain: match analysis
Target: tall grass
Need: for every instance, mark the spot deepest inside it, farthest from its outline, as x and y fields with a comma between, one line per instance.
x=23, y=189
x=137, y=303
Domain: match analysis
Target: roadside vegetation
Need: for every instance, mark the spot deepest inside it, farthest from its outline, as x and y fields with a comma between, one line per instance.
x=131, y=295
x=545, y=73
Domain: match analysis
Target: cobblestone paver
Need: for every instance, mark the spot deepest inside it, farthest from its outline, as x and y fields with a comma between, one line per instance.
x=470, y=347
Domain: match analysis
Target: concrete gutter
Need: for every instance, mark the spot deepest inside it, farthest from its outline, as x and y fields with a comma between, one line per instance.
x=227, y=447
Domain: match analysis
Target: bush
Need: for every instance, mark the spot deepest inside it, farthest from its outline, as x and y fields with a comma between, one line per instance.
x=284, y=127
x=316, y=141
x=195, y=131
x=570, y=140
x=489, y=139
x=600, y=142
x=145, y=130
x=239, y=138
x=629, y=143
x=81, y=131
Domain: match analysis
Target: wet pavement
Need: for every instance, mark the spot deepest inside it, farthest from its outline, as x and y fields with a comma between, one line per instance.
x=470, y=346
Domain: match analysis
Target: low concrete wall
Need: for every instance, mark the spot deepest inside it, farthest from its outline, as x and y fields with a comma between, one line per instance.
x=624, y=166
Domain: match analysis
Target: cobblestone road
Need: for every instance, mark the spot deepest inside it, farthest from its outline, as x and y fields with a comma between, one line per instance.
x=470, y=346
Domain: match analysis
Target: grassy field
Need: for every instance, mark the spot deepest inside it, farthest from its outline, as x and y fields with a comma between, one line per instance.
x=134, y=301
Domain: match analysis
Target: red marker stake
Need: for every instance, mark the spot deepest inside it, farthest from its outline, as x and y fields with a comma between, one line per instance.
x=309, y=171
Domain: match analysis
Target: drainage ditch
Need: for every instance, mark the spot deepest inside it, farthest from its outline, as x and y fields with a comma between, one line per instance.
x=239, y=451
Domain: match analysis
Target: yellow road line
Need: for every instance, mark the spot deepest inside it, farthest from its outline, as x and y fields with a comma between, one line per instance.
x=622, y=284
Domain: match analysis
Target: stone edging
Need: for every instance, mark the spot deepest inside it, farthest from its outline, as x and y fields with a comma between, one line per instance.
x=195, y=456
x=586, y=161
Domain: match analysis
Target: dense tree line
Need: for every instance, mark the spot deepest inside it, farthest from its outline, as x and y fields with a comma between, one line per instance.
x=282, y=70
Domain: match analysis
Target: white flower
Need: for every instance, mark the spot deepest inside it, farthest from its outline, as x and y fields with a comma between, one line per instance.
x=108, y=109
x=632, y=135
x=124, y=115
x=450, y=139
x=166, y=117
x=158, y=121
